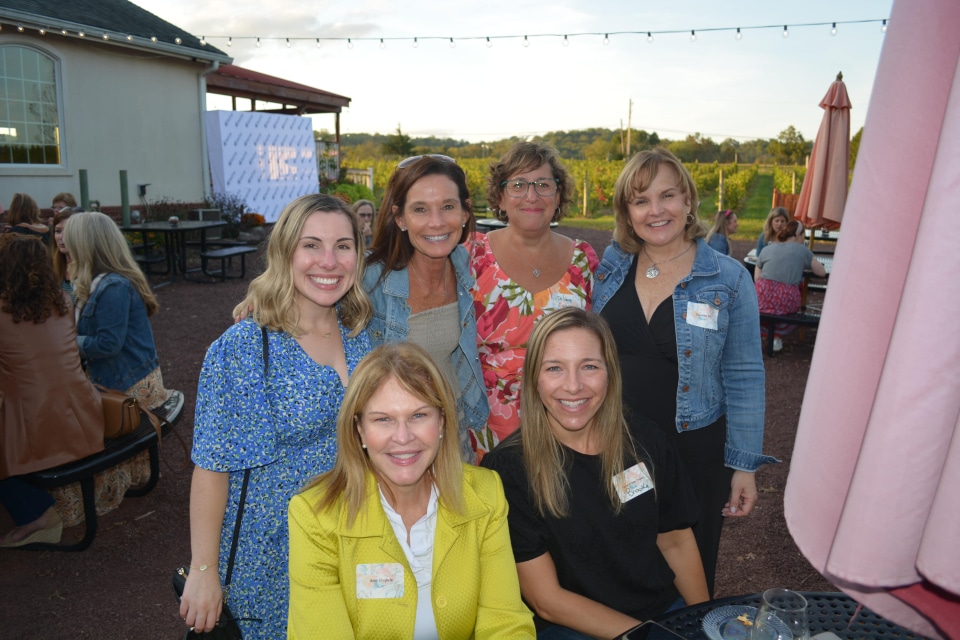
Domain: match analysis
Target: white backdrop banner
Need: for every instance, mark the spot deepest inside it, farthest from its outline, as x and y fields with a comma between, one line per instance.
x=267, y=159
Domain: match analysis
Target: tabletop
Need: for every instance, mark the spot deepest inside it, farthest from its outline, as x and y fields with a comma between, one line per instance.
x=827, y=611
x=182, y=226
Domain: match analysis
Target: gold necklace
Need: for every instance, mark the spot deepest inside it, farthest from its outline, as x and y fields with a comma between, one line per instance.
x=426, y=289
x=653, y=270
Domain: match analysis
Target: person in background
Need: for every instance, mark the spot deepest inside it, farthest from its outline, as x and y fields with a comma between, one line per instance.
x=24, y=218
x=686, y=324
x=50, y=413
x=418, y=278
x=776, y=220
x=779, y=272
x=523, y=271
x=267, y=402
x=59, y=253
x=365, y=211
x=725, y=224
x=595, y=557
x=61, y=200
x=402, y=539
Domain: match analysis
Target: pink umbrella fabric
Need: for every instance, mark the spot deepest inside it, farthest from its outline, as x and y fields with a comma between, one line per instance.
x=824, y=191
x=873, y=496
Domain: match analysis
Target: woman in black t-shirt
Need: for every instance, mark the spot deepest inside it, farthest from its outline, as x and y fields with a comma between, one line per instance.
x=600, y=509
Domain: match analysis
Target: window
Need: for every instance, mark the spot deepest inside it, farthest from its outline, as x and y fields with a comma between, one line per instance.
x=29, y=116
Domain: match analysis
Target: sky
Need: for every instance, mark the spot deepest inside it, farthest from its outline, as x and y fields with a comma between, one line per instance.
x=716, y=86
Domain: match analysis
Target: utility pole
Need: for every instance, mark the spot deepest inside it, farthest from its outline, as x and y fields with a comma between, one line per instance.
x=629, y=127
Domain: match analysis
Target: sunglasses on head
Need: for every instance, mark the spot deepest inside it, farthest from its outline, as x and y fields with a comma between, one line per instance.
x=403, y=164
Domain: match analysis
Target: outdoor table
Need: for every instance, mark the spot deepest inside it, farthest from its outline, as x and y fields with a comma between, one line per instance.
x=826, y=611
x=175, y=243
x=821, y=235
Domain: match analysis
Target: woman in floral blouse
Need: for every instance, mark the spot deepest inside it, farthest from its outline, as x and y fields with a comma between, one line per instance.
x=523, y=271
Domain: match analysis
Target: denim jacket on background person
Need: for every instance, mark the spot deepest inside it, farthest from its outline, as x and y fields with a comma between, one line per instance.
x=114, y=335
x=391, y=315
x=721, y=368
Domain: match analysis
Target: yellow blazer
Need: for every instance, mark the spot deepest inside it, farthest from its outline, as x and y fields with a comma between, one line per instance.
x=475, y=589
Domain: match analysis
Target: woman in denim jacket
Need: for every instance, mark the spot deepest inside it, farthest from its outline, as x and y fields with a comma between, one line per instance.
x=418, y=278
x=688, y=334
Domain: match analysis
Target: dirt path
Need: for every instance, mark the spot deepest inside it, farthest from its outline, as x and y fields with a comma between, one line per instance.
x=120, y=586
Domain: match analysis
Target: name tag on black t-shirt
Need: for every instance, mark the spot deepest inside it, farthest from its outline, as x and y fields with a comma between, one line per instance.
x=633, y=482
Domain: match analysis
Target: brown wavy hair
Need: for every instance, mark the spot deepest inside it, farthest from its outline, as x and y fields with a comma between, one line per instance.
x=29, y=290
x=23, y=210
x=523, y=157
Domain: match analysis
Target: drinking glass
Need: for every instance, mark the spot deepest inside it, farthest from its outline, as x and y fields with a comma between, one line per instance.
x=782, y=616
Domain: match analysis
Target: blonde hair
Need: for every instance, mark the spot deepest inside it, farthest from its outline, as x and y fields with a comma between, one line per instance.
x=636, y=177
x=272, y=294
x=416, y=373
x=544, y=458
x=720, y=224
x=97, y=246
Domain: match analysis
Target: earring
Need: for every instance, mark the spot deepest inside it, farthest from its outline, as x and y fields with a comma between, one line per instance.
x=441, y=436
x=501, y=215
x=403, y=229
x=691, y=218
x=363, y=444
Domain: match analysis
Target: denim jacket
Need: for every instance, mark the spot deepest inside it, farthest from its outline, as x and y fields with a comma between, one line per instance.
x=389, y=323
x=721, y=370
x=114, y=335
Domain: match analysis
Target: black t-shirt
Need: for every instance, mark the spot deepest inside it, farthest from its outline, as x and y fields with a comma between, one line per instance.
x=612, y=559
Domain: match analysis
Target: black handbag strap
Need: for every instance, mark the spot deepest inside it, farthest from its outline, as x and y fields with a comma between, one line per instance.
x=246, y=476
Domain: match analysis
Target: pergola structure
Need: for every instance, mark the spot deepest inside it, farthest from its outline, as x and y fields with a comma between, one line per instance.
x=294, y=99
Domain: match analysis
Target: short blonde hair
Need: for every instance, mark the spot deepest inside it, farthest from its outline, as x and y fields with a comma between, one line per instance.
x=272, y=294
x=415, y=371
x=636, y=177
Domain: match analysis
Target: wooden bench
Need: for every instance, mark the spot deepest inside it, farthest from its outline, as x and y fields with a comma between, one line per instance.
x=225, y=256
x=799, y=319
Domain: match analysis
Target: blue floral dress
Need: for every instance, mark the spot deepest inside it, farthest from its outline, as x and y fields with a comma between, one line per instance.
x=284, y=429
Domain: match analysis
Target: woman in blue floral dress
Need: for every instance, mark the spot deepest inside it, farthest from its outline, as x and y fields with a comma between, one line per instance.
x=277, y=419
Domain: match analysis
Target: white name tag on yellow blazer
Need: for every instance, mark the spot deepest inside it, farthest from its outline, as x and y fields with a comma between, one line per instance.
x=633, y=482
x=380, y=580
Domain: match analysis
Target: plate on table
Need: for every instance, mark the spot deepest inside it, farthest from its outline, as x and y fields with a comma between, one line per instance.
x=722, y=624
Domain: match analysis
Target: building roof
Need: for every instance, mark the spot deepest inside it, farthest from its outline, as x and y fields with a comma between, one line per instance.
x=299, y=99
x=124, y=23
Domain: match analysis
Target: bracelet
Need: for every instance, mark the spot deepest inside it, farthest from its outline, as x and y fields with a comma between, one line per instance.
x=202, y=567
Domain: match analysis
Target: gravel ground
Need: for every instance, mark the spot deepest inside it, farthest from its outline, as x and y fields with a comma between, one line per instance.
x=120, y=586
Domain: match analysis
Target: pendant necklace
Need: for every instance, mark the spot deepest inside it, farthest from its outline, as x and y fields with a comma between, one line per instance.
x=426, y=289
x=653, y=270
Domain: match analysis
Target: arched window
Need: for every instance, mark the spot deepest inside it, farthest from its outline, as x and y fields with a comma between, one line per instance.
x=29, y=115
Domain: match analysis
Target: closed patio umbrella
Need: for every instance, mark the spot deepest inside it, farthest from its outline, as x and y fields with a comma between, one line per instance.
x=824, y=191
x=873, y=496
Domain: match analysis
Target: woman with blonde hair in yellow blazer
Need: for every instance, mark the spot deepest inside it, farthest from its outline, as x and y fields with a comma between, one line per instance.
x=401, y=539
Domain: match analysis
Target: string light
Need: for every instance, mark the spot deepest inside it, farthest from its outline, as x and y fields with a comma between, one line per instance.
x=258, y=42
x=129, y=38
x=230, y=41
x=649, y=37
x=153, y=38
x=20, y=28
x=203, y=41
x=318, y=43
x=786, y=32
x=288, y=43
x=383, y=45
x=739, y=35
x=489, y=44
x=452, y=44
x=883, y=27
x=177, y=40
x=63, y=31
x=349, y=43
x=81, y=33
x=606, y=38
x=693, y=35
x=526, y=42
x=415, y=43
x=106, y=36
x=833, y=29
x=42, y=32
x=566, y=42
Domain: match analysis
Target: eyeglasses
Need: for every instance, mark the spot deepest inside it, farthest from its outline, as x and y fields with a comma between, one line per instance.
x=519, y=188
x=403, y=164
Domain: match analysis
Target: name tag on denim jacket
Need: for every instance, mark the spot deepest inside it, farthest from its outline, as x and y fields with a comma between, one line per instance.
x=633, y=482
x=379, y=580
x=701, y=314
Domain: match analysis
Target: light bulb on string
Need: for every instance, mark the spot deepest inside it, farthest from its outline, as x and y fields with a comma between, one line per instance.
x=526, y=42
x=258, y=42
x=383, y=45
x=106, y=36
x=288, y=43
x=63, y=32
x=566, y=42
x=833, y=29
x=649, y=37
x=693, y=35
x=20, y=28
x=152, y=38
x=883, y=27
x=739, y=35
x=129, y=38
x=318, y=43
x=42, y=32
x=489, y=44
x=786, y=32
x=415, y=43
x=606, y=38
x=230, y=41
x=453, y=45
x=349, y=43
x=82, y=34
x=177, y=40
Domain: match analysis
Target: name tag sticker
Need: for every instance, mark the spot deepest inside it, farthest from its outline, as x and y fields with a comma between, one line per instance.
x=633, y=482
x=701, y=314
x=563, y=300
x=380, y=580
